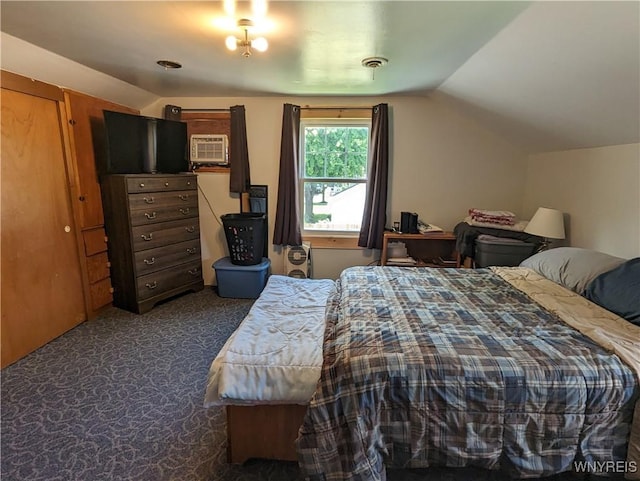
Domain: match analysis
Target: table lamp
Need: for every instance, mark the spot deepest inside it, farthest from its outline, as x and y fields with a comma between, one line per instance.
x=548, y=224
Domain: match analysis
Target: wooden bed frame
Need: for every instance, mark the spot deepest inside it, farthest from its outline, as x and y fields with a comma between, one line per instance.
x=263, y=431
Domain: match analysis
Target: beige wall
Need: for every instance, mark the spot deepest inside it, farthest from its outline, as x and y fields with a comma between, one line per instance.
x=597, y=189
x=441, y=165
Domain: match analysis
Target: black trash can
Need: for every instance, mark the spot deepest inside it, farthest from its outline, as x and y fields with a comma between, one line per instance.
x=245, y=235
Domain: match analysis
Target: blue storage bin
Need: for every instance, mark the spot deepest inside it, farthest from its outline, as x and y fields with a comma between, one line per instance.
x=243, y=282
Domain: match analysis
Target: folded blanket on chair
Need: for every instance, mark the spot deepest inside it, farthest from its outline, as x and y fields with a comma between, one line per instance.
x=503, y=217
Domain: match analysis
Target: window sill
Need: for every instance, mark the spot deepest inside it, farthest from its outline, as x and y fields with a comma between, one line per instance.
x=332, y=242
x=219, y=170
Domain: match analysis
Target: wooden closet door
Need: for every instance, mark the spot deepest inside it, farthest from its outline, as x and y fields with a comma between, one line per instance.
x=42, y=295
x=88, y=146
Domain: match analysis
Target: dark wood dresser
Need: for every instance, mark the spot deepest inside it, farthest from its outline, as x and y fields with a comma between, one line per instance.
x=153, y=234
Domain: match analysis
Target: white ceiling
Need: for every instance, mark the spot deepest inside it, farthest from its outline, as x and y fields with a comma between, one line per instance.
x=316, y=47
x=548, y=75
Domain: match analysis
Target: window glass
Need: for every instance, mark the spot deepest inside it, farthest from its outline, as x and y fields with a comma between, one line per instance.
x=333, y=174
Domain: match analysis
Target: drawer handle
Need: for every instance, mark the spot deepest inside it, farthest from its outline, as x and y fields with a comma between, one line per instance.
x=147, y=237
x=194, y=272
x=152, y=285
x=150, y=216
x=149, y=200
x=191, y=251
x=183, y=197
x=188, y=182
x=185, y=211
x=166, y=184
x=191, y=229
x=150, y=261
x=141, y=184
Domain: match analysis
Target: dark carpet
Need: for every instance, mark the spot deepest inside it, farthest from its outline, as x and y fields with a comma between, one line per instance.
x=121, y=398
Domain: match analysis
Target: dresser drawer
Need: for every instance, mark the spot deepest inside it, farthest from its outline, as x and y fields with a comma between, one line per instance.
x=98, y=267
x=157, y=235
x=153, y=215
x=152, y=260
x=158, y=183
x=95, y=240
x=101, y=294
x=155, y=200
x=167, y=279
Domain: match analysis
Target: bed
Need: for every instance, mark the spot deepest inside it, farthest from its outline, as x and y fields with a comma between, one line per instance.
x=497, y=368
x=457, y=368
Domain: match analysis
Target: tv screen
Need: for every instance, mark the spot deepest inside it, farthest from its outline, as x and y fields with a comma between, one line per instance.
x=137, y=144
x=171, y=149
x=125, y=142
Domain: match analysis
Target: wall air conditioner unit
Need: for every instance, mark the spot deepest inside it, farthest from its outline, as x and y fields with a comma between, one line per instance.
x=209, y=149
x=297, y=261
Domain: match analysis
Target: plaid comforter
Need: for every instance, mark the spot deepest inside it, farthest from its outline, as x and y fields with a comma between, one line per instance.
x=448, y=367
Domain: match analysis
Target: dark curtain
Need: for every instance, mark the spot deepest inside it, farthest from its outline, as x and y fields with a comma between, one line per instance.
x=375, y=207
x=287, y=224
x=239, y=175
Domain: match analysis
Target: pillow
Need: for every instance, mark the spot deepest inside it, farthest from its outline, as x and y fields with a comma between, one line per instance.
x=572, y=267
x=618, y=290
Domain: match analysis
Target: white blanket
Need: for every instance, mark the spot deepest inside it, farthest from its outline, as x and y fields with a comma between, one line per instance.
x=275, y=355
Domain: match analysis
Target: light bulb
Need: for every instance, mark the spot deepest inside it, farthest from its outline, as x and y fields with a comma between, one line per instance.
x=259, y=8
x=231, y=42
x=229, y=7
x=260, y=44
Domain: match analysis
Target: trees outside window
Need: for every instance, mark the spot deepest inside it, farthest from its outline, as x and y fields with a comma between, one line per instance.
x=333, y=174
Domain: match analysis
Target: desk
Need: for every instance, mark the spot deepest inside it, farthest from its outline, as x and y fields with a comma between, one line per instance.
x=427, y=249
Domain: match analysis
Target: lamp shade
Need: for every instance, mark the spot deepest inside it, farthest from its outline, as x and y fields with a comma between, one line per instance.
x=548, y=223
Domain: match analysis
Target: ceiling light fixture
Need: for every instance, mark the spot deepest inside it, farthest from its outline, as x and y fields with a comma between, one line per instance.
x=260, y=43
x=167, y=64
x=373, y=63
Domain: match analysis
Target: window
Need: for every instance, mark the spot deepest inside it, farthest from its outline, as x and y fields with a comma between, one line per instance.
x=333, y=174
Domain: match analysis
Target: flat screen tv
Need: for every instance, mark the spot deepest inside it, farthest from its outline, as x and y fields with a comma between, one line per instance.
x=136, y=144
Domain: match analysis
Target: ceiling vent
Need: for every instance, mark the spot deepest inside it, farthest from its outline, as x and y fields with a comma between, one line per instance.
x=374, y=62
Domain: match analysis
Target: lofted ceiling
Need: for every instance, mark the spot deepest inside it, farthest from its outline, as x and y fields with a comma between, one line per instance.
x=550, y=75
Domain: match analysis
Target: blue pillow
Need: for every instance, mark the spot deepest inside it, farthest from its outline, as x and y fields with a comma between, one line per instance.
x=618, y=290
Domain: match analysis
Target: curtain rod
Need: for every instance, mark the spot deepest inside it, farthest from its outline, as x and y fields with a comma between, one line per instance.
x=206, y=110
x=301, y=108
x=335, y=108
